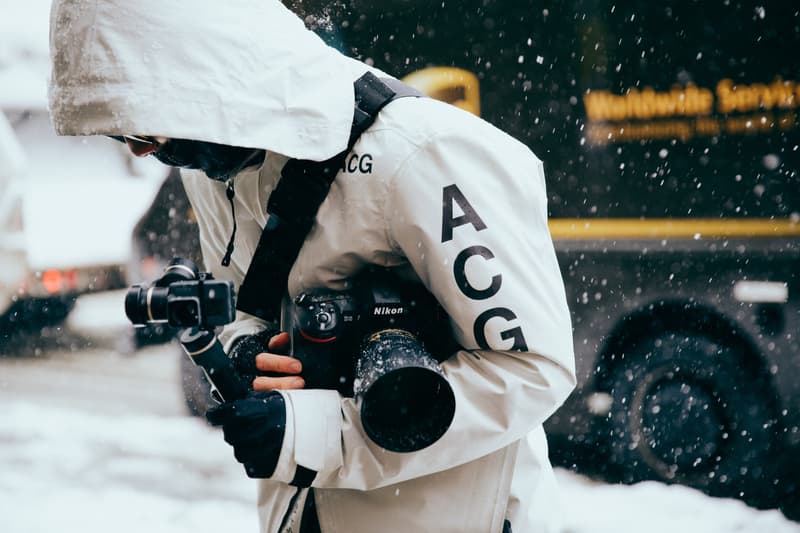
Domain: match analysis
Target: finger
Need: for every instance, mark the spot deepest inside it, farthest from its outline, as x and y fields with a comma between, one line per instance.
x=279, y=343
x=270, y=362
x=262, y=383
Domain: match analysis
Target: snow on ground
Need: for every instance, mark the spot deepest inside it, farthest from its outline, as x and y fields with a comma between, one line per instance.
x=72, y=469
x=69, y=471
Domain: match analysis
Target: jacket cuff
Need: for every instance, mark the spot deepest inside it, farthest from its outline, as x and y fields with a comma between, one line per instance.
x=312, y=440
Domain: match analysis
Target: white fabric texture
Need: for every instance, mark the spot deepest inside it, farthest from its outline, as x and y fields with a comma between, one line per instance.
x=244, y=73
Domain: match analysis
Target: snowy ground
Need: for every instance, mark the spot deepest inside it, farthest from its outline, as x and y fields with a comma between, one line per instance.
x=68, y=471
x=95, y=441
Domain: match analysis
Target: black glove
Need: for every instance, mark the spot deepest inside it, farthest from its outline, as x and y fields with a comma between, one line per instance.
x=254, y=426
x=244, y=352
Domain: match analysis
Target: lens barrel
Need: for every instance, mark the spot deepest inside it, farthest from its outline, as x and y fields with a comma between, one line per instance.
x=405, y=400
x=136, y=305
x=145, y=305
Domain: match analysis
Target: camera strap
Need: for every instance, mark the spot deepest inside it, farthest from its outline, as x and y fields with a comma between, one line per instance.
x=293, y=204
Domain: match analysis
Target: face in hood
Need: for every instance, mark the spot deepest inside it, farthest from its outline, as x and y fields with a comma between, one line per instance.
x=243, y=73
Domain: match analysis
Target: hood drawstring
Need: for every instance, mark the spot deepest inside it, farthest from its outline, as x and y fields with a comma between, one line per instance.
x=229, y=192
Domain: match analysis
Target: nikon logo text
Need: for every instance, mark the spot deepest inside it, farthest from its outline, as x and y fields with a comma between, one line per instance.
x=388, y=311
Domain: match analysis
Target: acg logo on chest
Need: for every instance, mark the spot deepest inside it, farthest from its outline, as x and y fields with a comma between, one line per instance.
x=357, y=163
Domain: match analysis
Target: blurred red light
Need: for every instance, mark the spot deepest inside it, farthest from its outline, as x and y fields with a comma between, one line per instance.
x=52, y=280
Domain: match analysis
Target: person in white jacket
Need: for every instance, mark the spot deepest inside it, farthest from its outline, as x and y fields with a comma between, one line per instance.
x=232, y=91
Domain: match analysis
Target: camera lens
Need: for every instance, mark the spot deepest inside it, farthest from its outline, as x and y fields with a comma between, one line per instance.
x=408, y=409
x=136, y=305
x=146, y=304
x=406, y=402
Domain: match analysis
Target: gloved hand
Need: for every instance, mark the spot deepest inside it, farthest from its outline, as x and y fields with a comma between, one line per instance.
x=261, y=361
x=244, y=351
x=255, y=427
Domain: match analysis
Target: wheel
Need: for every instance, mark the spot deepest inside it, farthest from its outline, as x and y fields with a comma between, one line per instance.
x=33, y=314
x=31, y=317
x=685, y=410
x=196, y=388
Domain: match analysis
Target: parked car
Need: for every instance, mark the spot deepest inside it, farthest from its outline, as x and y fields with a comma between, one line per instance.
x=67, y=206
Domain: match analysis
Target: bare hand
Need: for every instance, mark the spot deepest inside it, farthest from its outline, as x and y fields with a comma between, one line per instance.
x=273, y=361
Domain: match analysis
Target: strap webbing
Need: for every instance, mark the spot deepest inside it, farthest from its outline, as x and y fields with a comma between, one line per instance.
x=293, y=205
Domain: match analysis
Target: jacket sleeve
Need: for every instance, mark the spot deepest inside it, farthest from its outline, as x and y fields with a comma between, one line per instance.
x=471, y=218
x=215, y=224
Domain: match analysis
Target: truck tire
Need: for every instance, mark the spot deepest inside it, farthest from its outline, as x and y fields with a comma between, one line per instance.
x=33, y=314
x=686, y=410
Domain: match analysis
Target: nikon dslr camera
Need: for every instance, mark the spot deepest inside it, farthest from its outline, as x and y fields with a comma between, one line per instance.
x=372, y=343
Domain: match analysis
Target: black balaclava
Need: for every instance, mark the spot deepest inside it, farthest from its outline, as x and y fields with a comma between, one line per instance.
x=220, y=162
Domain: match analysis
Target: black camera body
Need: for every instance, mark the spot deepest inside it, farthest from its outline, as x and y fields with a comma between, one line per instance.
x=374, y=343
x=329, y=328
x=183, y=297
x=186, y=298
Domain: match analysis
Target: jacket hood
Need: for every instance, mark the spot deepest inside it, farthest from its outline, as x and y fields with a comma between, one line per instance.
x=241, y=72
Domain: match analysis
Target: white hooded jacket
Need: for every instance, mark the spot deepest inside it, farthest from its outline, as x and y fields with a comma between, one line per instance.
x=428, y=190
